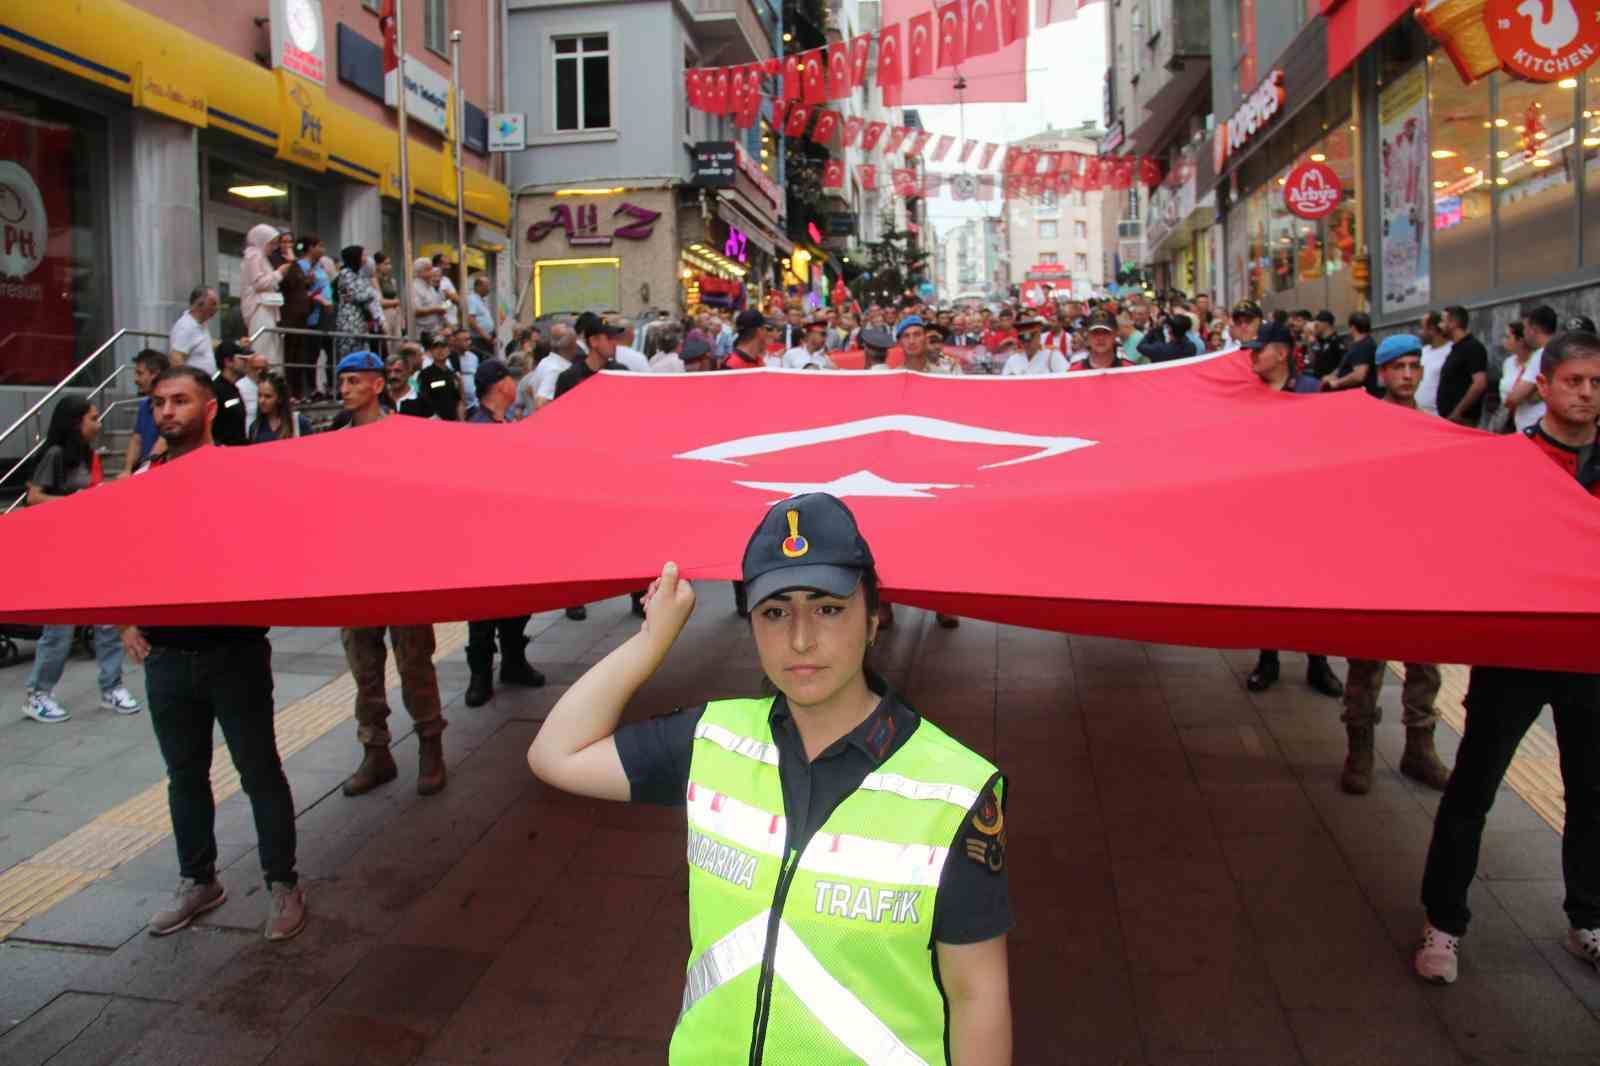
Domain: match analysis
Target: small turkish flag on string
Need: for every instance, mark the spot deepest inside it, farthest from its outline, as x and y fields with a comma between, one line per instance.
x=780, y=108
x=897, y=137
x=799, y=118
x=736, y=90
x=966, y=151
x=838, y=71
x=985, y=187
x=941, y=148
x=860, y=53
x=918, y=142
x=852, y=130
x=1122, y=174
x=988, y=155
x=904, y=180
x=750, y=108
x=1013, y=21
x=921, y=46
x=717, y=102
x=691, y=87
x=814, y=82
x=890, y=48
x=983, y=34
x=868, y=174
x=872, y=134
x=1011, y=186
x=1149, y=172
x=792, y=77
x=833, y=174
x=932, y=185
x=827, y=125
x=1092, y=175
x=952, y=36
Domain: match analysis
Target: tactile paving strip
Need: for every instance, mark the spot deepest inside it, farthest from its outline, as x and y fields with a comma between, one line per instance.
x=84, y=856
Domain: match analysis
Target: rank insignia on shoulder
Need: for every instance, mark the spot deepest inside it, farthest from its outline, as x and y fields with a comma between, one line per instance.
x=987, y=852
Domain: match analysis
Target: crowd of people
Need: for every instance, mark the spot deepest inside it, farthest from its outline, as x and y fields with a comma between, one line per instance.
x=199, y=394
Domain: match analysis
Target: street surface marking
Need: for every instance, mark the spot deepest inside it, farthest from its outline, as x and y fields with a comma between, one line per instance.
x=129, y=829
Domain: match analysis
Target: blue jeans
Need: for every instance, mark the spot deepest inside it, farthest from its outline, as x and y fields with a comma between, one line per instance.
x=55, y=644
x=230, y=684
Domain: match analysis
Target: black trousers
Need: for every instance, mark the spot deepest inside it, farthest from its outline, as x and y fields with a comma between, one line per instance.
x=1270, y=658
x=481, y=639
x=1501, y=705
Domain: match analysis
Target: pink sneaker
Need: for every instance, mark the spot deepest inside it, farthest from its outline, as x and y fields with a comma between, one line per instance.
x=1438, y=958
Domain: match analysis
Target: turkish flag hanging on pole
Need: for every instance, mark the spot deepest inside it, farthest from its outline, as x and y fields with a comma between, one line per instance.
x=890, y=67
x=694, y=464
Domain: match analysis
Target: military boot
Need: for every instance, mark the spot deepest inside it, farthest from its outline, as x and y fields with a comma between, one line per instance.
x=377, y=768
x=480, y=688
x=431, y=774
x=1421, y=762
x=1357, y=776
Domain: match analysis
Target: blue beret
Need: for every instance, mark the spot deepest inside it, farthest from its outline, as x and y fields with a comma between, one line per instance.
x=906, y=323
x=360, y=362
x=1398, y=346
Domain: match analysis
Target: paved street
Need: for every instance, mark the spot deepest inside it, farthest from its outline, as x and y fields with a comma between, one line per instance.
x=1190, y=884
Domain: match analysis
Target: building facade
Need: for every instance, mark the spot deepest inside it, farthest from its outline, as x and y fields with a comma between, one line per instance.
x=1055, y=239
x=970, y=260
x=142, y=142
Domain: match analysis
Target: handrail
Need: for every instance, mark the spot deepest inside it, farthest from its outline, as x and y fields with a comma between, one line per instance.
x=112, y=406
x=87, y=360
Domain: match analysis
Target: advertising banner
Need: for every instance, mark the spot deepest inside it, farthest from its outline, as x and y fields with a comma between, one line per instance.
x=1403, y=186
x=38, y=341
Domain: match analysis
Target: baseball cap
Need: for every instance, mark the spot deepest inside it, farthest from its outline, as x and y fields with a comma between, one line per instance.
x=361, y=363
x=230, y=348
x=694, y=348
x=906, y=323
x=749, y=320
x=1103, y=320
x=597, y=325
x=434, y=340
x=1246, y=309
x=1578, y=323
x=1029, y=322
x=809, y=542
x=1397, y=347
x=877, y=337
x=490, y=373
x=1271, y=333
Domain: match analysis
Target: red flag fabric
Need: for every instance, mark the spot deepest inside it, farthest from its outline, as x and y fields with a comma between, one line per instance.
x=919, y=141
x=852, y=131
x=1121, y=174
x=868, y=175
x=717, y=98
x=827, y=125
x=750, y=109
x=988, y=156
x=897, y=137
x=871, y=135
x=996, y=77
x=904, y=181
x=833, y=174
x=839, y=71
x=1091, y=177
x=736, y=90
x=921, y=45
x=780, y=110
x=1049, y=163
x=890, y=64
x=1149, y=172
x=966, y=151
x=983, y=32
x=1013, y=21
x=908, y=454
x=1048, y=11
x=952, y=34
x=691, y=87
x=799, y=118
x=814, y=81
x=793, y=77
x=985, y=189
x=941, y=148
x=860, y=53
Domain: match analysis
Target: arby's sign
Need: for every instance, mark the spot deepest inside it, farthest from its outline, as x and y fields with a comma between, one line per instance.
x=1258, y=110
x=1312, y=190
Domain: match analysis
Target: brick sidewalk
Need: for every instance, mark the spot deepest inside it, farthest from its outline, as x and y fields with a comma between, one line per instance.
x=1191, y=885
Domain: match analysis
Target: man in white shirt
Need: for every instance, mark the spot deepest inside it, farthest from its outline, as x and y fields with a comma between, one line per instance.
x=809, y=352
x=1435, y=350
x=452, y=302
x=666, y=360
x=1538, y=327
x=466, y=363
x=480, y=320
x=1034, y=359
x=563, y=353
x=256, y=366
x=630, y=357
x=189, y=343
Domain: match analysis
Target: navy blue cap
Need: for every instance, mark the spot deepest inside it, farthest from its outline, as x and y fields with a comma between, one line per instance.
x=694, y=348
x=1271, y=332
x=361, y=363
x=1397, y=347
x=809, y=542
x=490, y=373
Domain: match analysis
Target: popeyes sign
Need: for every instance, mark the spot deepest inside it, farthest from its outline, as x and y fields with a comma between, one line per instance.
x=1312, y=190
x=1252, y=117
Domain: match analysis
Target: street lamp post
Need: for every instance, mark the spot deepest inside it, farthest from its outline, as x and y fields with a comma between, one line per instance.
x=457, y=118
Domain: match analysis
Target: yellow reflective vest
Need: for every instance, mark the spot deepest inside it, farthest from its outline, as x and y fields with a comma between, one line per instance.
x=822, y=956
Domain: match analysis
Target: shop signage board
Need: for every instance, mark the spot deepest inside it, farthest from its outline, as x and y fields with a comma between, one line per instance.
x=716, y=164
x=36, y=249
x=301, y=108
x=1312, y=190
x=1545, y=41
x=572, y=286
x=162, y=85
x=298, y=41
x=427, y=94
x=508, y=131
x=752, y=171
x=1253, y=116
x=581, y=223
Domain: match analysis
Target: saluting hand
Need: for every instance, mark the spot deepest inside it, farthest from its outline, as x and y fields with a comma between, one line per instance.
x=667, y=606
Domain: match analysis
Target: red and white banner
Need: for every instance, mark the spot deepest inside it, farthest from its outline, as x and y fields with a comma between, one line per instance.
x=1099, y=454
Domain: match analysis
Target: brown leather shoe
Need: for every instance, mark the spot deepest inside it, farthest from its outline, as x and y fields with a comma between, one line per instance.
x=431, y=774
x=377, y=768
x=1357, y=776
x=1421, y=762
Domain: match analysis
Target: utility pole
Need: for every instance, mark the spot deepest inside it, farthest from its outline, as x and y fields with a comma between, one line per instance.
x=402, y=126
x=458, y=114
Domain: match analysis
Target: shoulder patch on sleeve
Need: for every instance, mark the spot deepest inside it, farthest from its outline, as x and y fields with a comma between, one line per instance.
x=983, y=839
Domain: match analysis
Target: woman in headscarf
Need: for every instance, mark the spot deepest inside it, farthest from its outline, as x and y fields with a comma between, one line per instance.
x=427, y=302
x=259, y=298
x=356, y=295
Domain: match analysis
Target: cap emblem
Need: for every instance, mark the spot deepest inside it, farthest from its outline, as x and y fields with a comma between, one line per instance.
x=794, y=545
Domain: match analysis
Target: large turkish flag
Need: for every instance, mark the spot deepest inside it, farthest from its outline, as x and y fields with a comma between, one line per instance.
x=1184, y=503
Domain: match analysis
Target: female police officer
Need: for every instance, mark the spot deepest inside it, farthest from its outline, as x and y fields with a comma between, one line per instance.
x=847, y=893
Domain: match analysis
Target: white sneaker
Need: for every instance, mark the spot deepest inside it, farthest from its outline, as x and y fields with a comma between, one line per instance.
x=1585, y=944
x=119, y=699
x=1437, y=958
x=42, y=707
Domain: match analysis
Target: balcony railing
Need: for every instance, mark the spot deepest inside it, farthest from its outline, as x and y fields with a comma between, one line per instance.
x=733, y=29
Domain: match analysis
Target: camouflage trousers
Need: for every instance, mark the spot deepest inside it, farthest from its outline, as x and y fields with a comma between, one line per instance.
x=1364, y=681
x=419, y=684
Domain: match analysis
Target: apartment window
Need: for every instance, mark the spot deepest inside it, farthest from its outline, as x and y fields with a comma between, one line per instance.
x=436, y=26
x=1080, y=230
x=583, y=82
x=1080, y=263
x=1047, y=231
x=1049, y=257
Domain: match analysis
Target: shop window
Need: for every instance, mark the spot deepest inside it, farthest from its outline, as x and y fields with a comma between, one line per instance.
x=1459, y=126
x=1080, y=230
x=1048, y=231
x=1049, y=257
x=1536, y=158
x=583, y=82
x=436, y=26
x=1080, y=263
x=1589, y=134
